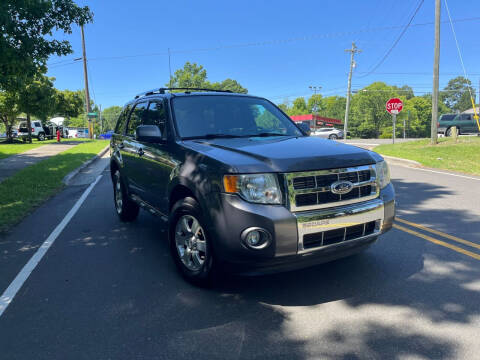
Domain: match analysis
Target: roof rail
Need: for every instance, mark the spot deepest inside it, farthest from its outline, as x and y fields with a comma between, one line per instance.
x=187, y=89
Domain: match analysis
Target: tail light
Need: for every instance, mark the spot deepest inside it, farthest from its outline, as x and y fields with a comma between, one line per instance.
x=438, y=124
x=33, y=130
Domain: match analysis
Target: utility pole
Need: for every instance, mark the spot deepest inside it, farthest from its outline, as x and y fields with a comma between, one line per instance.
x=101, y=119
x=352, y=52
x=436, y=61
x=314, y=89
x=85, y=76
x=169, y=70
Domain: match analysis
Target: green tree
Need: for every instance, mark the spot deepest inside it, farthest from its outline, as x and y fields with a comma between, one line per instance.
x=69, y=103
x=37, y=98
x=334, y=107
x=195, y=76
x=110, y=116
x=419, y=122
x=456, y=94
x=315, y=101
x=8, y=111
x=299, y=107
x=227, y=84
x=284, y=106
x=368, y=110
x=405, y=90
x=192, y=75
x=27, y=36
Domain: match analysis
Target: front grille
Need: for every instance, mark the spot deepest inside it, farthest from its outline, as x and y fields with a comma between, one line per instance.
x=313, y=189
x=336, y=236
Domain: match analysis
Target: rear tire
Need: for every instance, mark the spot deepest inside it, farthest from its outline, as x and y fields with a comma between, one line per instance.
x=41, y=136
x=127, y=210
x=190, y=244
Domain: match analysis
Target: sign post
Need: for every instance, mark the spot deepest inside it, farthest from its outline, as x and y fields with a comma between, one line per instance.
x=394, y=106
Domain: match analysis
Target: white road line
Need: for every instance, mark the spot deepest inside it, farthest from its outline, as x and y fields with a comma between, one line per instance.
x=441, y=172
x=23, y=275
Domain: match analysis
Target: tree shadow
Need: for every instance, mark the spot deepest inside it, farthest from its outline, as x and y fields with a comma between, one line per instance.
x=123, y=298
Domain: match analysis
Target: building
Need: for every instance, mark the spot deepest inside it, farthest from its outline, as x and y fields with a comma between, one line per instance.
x=316, y=121
x=470, y=111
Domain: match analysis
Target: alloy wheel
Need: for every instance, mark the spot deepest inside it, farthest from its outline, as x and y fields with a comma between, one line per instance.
x=190, y=242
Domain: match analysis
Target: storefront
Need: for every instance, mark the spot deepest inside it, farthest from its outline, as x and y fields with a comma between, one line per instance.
x=316, y=121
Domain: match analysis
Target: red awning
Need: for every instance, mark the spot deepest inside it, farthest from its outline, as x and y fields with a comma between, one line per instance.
x=307, y=117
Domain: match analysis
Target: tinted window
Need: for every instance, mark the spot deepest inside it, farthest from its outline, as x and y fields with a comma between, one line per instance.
x=122, y=120
x=197, y=116
x=156, y=115
x=136, y=118
x=37, y=124
x=447, y=117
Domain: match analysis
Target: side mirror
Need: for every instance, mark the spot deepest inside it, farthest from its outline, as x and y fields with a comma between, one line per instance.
x=305, y=128
x=148, y=133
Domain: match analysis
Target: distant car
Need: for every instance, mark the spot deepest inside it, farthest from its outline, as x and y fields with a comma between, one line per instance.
x=41, y=132
x=107, y=135
x=328, y=133
x=465, y=124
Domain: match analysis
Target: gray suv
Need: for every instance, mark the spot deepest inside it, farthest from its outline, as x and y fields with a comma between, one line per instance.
x=241, y=187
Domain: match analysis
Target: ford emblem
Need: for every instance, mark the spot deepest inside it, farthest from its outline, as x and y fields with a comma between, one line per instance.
x=341, y=187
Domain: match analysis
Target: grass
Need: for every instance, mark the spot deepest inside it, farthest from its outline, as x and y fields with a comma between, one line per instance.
x=463, y=156
x=30, y=187
x=18, y=146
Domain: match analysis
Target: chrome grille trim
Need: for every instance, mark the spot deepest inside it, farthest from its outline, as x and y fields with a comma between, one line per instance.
x=292, y=192
x=321, y=221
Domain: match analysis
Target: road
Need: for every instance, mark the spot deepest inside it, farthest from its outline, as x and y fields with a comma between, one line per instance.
x=107, y=290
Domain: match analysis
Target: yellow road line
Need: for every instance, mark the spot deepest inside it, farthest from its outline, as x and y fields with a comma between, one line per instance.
x=438, y=242
x=451, y=237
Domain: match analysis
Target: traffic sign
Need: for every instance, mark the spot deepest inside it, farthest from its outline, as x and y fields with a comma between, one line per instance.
x=394, y=105
x=92, y=114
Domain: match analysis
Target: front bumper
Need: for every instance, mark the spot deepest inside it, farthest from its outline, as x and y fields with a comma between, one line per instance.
x=287, y=249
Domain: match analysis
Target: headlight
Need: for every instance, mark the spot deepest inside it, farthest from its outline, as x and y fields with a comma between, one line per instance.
x=383, y=174
x=257, y=188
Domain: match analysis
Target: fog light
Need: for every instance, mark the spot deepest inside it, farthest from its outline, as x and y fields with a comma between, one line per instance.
x=256, y=238
x=253, y=238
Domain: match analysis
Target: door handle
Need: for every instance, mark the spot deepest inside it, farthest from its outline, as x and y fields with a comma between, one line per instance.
x=140, y=152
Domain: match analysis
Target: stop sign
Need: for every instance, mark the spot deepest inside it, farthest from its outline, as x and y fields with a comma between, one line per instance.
x=394, y=105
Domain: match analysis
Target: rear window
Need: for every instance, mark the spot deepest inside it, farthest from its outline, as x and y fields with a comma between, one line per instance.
x=37, y=124
x=447, y=117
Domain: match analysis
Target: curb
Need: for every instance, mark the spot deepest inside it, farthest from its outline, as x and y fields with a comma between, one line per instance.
x=401, y=162
x=72, y=173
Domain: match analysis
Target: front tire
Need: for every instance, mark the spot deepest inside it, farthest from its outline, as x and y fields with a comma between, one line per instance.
x=190, y=243
x=127, y=210
x=449, y=131
x=333, y=137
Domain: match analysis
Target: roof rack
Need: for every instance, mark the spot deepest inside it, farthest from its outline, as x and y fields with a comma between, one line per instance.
x=187, y=90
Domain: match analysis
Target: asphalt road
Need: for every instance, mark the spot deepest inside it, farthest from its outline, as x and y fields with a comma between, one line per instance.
x=107, y=290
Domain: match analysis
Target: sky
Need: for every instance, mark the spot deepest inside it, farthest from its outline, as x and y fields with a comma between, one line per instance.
x=276, y=49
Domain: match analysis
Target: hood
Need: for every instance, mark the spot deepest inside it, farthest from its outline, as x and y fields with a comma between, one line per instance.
x=280, y=154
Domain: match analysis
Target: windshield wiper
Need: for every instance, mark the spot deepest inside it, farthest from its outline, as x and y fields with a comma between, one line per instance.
x=212, y=136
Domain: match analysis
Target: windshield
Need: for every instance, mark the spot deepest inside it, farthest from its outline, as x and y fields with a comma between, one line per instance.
x=229, y=116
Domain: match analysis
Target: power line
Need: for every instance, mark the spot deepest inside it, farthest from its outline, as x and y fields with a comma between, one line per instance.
x=382, y=60
x=463, y=65
x=262, y=43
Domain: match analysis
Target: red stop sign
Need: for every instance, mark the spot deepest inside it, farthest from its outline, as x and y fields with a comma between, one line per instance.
x=394, y=106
